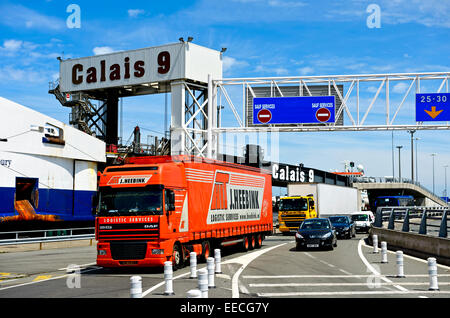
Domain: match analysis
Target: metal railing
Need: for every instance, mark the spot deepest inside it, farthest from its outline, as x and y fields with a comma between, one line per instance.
x=46, y=235
x=404, y=215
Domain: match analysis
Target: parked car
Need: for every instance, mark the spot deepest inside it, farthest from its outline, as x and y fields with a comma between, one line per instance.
x=363, y=221
x=344, y=226
x=316, y=233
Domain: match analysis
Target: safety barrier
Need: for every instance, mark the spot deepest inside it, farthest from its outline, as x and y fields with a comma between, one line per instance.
x=47, y=235
x=404, y=214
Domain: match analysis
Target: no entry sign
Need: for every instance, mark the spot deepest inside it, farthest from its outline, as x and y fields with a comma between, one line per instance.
x=323, y=115
x=264, y=116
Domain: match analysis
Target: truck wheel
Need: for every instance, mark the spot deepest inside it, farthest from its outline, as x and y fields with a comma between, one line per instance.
x=245, y=244
x=206, y=251
x=252, y=242
x=177, y=257
x=258, y=241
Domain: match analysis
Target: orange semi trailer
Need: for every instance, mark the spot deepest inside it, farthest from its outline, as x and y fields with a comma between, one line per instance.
x=161, y=208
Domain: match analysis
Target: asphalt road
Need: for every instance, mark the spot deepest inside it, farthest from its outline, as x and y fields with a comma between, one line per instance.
x=276, y=270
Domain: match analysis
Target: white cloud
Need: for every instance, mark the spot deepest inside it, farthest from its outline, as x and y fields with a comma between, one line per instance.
x=400, y=87
x=12, y=45
x=230, y=62
x=18, y=16
x=305, y=70
x=133, y=13
x=100, y=50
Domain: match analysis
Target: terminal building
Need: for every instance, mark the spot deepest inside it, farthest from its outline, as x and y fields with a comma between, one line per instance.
x=48, y=170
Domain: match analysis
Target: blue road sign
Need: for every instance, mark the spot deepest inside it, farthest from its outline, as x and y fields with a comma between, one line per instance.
x=293, y=110
x=433, y=107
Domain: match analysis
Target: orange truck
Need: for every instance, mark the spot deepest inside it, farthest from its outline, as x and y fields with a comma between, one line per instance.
x=154, y=209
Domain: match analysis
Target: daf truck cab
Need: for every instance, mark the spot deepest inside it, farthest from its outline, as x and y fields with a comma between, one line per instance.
x=293, y=210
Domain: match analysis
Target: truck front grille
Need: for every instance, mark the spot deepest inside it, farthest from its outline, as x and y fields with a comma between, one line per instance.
x=128, y=250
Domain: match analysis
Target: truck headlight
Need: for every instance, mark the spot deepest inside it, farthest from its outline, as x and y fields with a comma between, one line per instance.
x=101, y=252
x=157, y=251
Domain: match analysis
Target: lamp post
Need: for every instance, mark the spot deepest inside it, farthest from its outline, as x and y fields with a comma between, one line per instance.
x=432, y=156
x=412, y=154
x=417, y=162
x=399, y=164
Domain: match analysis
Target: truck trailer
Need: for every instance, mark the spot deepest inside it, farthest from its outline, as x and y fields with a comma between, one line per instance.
x=155, y=209
x=310, y=200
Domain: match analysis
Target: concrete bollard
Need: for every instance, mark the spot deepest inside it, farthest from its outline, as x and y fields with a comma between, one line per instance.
x=400, y=273
x=203, y=282
x=193, y=264
x=194, y=293
x=136, y=287
x=384, y=259
x=168, y=278
x=375, y=243
x=432, y=272
x=217, y=260
x=211, y=267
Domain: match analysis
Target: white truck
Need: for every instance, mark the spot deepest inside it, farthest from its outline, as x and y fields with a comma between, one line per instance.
x=329, y=199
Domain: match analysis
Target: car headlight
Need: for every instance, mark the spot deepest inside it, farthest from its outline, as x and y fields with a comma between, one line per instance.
x=297, y=235
x=326, y=235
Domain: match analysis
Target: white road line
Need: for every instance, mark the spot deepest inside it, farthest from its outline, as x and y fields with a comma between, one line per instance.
x=349, y=275
x=339, y=284
x=373, y=270
x=414, y=258
x=345, y=272
x=244, y=261
x=148, y=291
x=81, y=266
x=351, y=293
x=47, y=279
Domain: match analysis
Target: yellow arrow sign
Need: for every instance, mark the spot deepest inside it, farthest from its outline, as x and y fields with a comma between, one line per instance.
x=433, y=113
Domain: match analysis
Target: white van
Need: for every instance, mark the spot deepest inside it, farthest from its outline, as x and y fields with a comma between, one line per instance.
x=363, y=220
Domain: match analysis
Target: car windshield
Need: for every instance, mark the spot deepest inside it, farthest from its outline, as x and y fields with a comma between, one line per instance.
x=360, y=217
x=315, y=225
x=130, y=201
x=293, y=205
x=338, y=219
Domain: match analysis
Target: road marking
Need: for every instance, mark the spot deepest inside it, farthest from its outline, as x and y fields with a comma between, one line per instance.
x=80, y=266
x=244, y=260
x=42, y=277
x=412, y=257
x=338, y=284
x=161, y=284
x=44, y=280
x=373, y=270
x=350, y=293
x=345, y=272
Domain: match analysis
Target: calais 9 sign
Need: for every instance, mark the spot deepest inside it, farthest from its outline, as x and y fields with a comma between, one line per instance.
x=123, y=68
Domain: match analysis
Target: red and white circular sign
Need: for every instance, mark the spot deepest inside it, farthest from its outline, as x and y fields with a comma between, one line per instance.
x=264, y=116
x=323, y=114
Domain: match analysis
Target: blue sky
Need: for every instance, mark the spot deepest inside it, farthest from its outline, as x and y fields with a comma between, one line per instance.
x=263, y=38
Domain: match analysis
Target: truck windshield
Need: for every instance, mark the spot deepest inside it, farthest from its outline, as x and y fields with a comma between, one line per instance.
x=130, y=201
x=293, y=205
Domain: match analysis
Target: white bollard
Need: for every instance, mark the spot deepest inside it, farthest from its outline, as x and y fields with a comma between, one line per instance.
x=400, y=273
x=432, y=272
x=136, y=287
x=375, y=243
x=210, y=266
x=168, y=278
x=384, y=252
x=193, y=264
x=203, y=282
x=217, y=259
x=194, y=293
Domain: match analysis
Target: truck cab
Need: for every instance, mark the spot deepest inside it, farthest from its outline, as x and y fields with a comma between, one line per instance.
x=293, y=210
